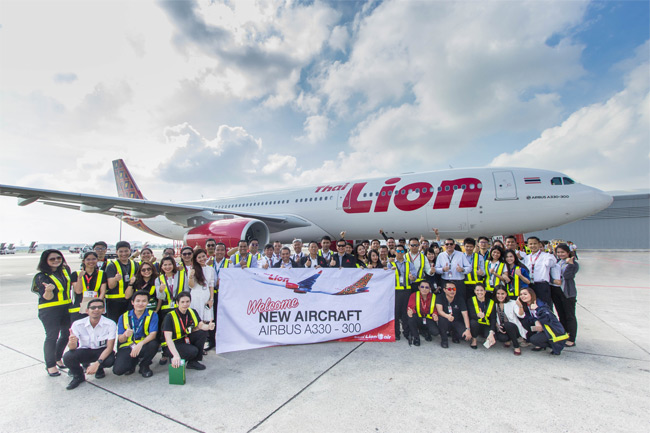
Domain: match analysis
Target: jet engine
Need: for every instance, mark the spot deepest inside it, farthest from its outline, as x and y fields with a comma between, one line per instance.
x=229, y=231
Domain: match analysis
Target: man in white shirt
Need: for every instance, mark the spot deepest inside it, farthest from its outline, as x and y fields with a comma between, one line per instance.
x=540, y=264
x=91, y=342
x=419, y=264
x=297, y=251
x=268, y=258
x=511, y=244
x=453, y=265
x=286, y=262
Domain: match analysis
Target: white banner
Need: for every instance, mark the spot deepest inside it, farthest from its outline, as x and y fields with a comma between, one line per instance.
x=270, y=307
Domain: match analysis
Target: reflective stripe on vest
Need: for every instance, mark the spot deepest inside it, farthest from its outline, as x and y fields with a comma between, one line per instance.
x=421, y=270
x=98, y=284
x=472, y=277
x=497, y=280
x=486, y=319
x=63, y=295
x=169, y=296
x=555, y=338
x=407, y=269
x=514, y=293
x=125, y=321
x=120, y=285
x=248, y=261
x=417, y=305
x=176, y=334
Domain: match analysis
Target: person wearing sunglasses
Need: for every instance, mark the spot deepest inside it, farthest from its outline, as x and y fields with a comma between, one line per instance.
x=422, y=314
x=341, y=259
x=145, y=280
x=101, y=247
x=452, y=313
x=420, y=267
x=403, y=280
x=52, y=285
x=91, y=342
x=453, y=266
x=185, y=265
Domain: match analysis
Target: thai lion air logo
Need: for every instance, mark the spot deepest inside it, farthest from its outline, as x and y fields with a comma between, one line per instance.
x=408, y=197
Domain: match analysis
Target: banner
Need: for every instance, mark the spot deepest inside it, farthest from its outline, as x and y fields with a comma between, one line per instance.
x=270, y=307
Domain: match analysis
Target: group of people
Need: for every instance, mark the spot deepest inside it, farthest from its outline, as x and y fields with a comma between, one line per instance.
x=496, y=292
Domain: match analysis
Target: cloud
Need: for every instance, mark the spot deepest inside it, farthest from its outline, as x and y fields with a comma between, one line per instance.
x=316, y=128
x=68, y=77
x=603, y=144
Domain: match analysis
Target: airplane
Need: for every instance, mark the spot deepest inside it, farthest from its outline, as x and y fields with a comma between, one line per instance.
x=304, y=286
x=458, y=202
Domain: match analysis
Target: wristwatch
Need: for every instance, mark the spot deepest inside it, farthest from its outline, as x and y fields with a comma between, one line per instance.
x=100, y=361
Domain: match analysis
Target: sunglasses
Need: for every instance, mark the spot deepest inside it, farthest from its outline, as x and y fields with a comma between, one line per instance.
x=341, y=245
x=399, y=251
x=451, y=289
x=450, y=245
x=415, y=245
x=186, y=254
x=96, y=307
x=146, y=270
x=211, y=245
x=54, y=259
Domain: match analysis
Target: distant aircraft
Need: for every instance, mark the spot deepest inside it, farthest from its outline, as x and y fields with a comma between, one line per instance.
x=459, y=202
x=7, y=249
x=32, y=247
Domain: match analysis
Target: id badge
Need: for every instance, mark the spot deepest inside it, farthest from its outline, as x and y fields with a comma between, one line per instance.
x=90, y=294
x=187, y=340
x=424, y=320
x=102, y=343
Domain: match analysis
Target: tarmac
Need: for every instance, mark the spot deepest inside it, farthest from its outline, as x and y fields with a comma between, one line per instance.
x=601, y=385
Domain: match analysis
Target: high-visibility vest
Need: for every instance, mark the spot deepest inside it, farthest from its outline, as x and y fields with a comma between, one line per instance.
x=420, y=276
x=472, y=277
x=178, y=332
x=486, y=319
x=513, y=285
x=497, y=280
x=98, y=284
x=125, y=321
x=431, y=309
x=169, y=303
x=320, y=253
x=226, y=263
x=248, y=261
x=63, y=293
x=120, y=285
x=407, y=269
x=555, y=338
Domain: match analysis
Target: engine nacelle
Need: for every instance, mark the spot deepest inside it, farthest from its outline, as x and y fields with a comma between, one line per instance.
x=228, y=231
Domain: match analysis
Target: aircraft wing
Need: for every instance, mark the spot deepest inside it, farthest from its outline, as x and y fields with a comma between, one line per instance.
x=131, y=206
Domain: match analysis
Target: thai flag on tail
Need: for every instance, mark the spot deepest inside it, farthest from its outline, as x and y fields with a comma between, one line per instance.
x=532, y=180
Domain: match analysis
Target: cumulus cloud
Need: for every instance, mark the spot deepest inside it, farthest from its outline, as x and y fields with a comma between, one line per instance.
x=316, y=128
x=603, y=144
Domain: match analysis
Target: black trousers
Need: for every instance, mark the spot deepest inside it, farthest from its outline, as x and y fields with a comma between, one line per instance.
x=77, y=316
x=478, y=329
x=539, y=339
x=56, y=321
x=469, y=291
x=124, y=362
x=543, y=291
x=192, y=351
x=74, y=358
x=457, y=328
x=116, y=307
x=566, y=311
x=212, y=334
x=415, y=325
x=460, y=287
x=162, y=313
x=511, y=334
x=401, y=305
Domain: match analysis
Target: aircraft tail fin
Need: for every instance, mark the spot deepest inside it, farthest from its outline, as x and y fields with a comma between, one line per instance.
x=126, y=186
x=306, y=284
x=358, y=287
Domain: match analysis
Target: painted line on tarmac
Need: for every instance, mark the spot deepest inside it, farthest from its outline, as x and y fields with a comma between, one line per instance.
x=21, y=303
x=615, y=330
x=146, y=408
x=22, y=368
x=567, y=350
x=22, y=353
x=307, y=386
x=613, y=287
x=624, y=261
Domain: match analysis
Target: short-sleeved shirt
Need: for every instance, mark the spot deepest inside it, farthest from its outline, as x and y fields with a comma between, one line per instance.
x=97, y=337
x=125, y=271
x=168, y=323
x=88, y=285
x=457, y=306
x=137, y=325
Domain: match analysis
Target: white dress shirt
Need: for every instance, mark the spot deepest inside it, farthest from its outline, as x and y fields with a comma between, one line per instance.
x=94, y=338
x=456, y=258
x=540, y=265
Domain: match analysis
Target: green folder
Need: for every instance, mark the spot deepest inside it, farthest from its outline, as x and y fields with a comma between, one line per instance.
x=177, y=375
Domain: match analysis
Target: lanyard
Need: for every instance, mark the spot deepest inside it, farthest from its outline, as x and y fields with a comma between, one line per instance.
x=451, y=258
x=532, y=267
x=170, y=287
x=88, y=280
x=217, y=269
x=137, y=326
x=187, y=319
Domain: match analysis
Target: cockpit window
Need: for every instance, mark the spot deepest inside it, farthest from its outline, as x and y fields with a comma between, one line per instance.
x=556, y=181
x=568, y=181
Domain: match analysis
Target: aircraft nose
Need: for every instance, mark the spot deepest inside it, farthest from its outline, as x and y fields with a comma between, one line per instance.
x=602, y=200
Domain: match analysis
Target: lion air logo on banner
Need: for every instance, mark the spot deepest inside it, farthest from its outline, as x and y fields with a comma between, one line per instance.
x=260, y=308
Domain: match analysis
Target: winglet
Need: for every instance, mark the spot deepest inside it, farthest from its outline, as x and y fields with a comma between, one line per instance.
x=126, y=186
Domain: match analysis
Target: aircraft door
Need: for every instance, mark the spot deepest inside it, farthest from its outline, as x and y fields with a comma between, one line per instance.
x=504, y=185
x=340, y=197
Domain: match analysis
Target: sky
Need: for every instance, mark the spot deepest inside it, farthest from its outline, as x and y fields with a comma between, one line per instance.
x=204, y=99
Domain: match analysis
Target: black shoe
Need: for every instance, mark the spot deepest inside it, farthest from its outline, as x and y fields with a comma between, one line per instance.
x=100, y=374
x=397, y=337
x=473, y=347
x=75, y=382
x=455, y=340
x=129, y=372
x=416, y=342
x=410, y=341
x=195, y=365
x=63, y=367
x=428, y=337
x=538, y=349
x=162, y=361
x=556, y=354
x=146, y=371
x=444, y=345
x=55, y=374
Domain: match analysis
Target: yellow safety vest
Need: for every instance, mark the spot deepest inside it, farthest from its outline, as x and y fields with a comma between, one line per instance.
x=472, y=277
x=485, y=320
x=497, y=280
x=226, y=263
x=514, y=283
x=417, y=305
x=120, y=284
x=420, y=276
x=169, y=297
x=98, y=284
x=555, y=338
x=125, y=322
x=178, y=333
x=407, y=284
x=248, y=261
x=63, y=294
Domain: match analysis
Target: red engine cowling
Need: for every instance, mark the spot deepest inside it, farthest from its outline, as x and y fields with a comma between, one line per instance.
x=228, y=231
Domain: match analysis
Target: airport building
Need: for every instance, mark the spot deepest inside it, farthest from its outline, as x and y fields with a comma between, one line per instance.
x=625, y=224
